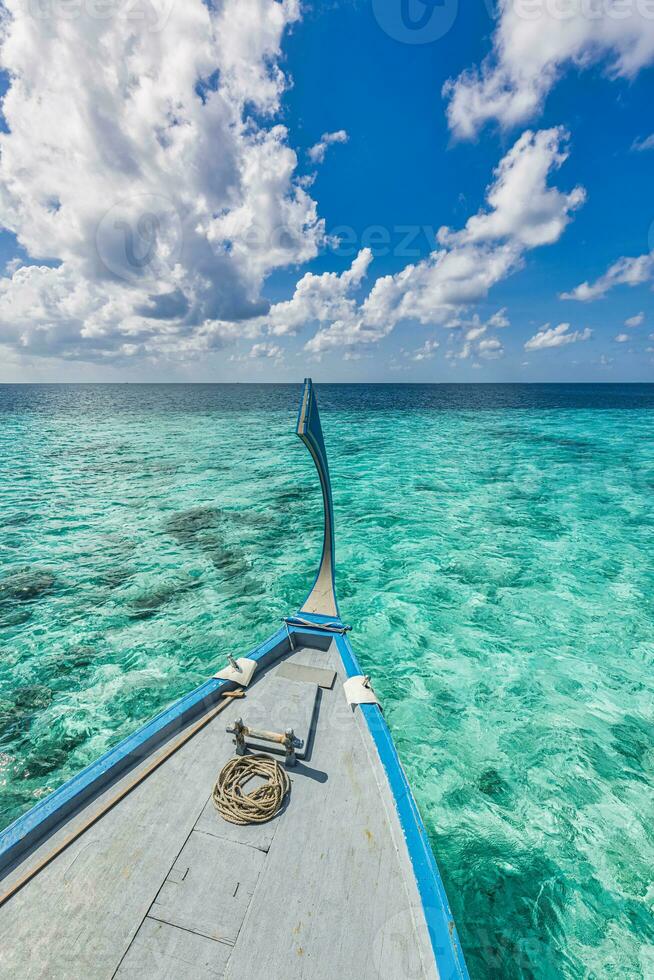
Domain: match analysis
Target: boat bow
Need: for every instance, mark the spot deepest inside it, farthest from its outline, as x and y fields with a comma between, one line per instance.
x=362, y=861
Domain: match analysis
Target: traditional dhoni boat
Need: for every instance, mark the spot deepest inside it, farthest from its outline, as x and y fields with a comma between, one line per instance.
x=306, y=857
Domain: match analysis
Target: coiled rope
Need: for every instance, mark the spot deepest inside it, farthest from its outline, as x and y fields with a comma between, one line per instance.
x=262, y=803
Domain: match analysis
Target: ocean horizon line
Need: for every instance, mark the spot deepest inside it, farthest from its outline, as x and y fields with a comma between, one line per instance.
x=344, y=384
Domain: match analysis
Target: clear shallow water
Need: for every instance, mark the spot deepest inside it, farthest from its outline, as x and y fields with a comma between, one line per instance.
x=495, y=548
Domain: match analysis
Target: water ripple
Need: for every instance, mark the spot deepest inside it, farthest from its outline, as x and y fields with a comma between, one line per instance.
x=496, y=564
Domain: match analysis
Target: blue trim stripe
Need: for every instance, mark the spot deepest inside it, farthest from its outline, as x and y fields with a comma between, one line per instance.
x=440, y=924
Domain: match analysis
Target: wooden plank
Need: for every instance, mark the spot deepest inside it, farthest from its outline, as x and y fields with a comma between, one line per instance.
x=168, y=953
x=294, y=671
x=278, y=705
x=210, y=887
x=26, y=833
x=348, y=896
x=324, y=890
x=259, y=835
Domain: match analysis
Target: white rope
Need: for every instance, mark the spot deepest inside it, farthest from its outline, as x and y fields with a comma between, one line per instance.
x=262, y=803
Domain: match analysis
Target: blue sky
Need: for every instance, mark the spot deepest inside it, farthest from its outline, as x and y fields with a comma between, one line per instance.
x=408, y=160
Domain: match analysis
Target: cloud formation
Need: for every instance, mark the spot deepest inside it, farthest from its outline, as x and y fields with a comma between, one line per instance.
x=557, y=336
x=626, y=271
x=635, y=321
x=325, y=298
x=317, y=152
x=159, y=193
x=533, y=43
x=162, y=192
x=522, y=211
x=265, y=352
x=424, y=353
x=474, y=339
x=641, y=145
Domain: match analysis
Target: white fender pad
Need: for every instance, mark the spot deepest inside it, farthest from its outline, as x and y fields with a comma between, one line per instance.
x=242, y=675
x=358, y=690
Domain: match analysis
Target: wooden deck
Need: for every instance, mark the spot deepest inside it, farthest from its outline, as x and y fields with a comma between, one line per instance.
x=163, y=887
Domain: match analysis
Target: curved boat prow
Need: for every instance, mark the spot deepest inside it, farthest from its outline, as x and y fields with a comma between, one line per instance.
x=321, y=600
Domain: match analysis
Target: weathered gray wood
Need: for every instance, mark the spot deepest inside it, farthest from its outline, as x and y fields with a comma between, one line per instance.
x=209, y=888
x=77, y=917
x=334, y=868
x=168, y=953
x=254, y=835
x=294, y=671
x=324, y=890
x=278, y=705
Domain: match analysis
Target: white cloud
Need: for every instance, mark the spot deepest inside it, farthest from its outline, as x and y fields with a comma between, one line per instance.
x=499, y=319
x=521, y=205
x=533, y=43
x=556, y=336
x=627, y=271
x=324, y=298
x=158, y=202
x=491, y=347
x=424, y=353
x=265, y=352
x=475, y=332
x=317, y=152
x=436, y=289
x=472, y=331
x=643, y=144
x=522, y=212
x=622, y=338
x=261, y=352
x=635, y=321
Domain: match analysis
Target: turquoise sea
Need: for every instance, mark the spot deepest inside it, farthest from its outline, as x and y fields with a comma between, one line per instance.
x=495, y=550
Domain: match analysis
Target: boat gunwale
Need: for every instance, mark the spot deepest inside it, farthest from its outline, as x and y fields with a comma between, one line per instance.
x=443, y=934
